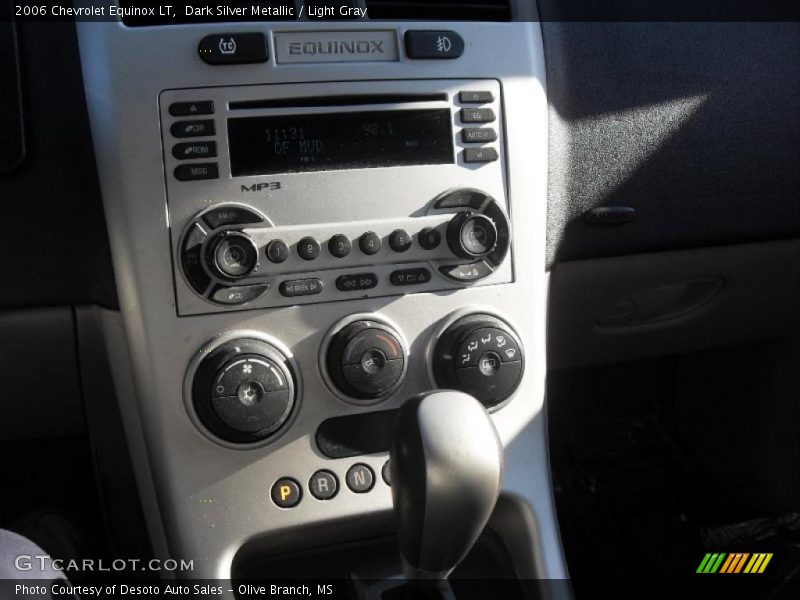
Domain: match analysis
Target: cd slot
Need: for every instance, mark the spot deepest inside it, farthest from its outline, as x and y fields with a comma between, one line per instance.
x=349, y=100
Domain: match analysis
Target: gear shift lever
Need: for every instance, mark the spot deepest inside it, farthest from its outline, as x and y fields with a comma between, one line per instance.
x=445, y=468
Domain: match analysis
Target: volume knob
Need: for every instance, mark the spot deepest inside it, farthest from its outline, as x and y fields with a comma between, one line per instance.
x=471, y=235
x=232, y=255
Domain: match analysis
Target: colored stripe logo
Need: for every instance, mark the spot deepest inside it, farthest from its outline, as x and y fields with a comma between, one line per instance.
x=735, y=562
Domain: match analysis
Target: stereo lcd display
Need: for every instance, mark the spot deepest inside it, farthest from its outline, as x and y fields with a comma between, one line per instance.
x=326, y=142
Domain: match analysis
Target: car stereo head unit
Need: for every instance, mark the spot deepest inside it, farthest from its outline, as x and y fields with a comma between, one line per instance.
x=294, y=194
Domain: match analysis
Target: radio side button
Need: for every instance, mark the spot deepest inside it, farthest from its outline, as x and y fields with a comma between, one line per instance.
x=464, y=198
x=503, y=243
x=238, y=294
x=478, y=135
x=195, y=275
x=358, y=281
x=468, y=272
x=190, y=150
x=300, y=287
x=186, y=129
x=475, y=97
x=190, y=109
x=195, y=171
x=477, y=115
x=231, y=215
x=410, y=276
x=480, y=155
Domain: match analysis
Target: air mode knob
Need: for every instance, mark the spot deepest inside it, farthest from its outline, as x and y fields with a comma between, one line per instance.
x=471, y=235
x=232, y=255
x=481, y=355
x=365, y=360
x=244, y=391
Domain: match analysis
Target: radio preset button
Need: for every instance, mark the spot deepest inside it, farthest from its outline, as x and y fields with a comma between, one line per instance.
x=195, y=171
x=359, y=281
x=478, y=135
x=339, y=245
x=300, y=287
x=233, y=48
x=190, y=150
x=277, y=251
x=410, y=276
x=473, y=97
x=477, y=115
x=185, y=129
x=433, y=44
x=238, y=294
x=370, y=243
x=308, y=248
x=399, y=240
x=190, y=109
x=480, y=155
x=231, y=215
x=429, y=238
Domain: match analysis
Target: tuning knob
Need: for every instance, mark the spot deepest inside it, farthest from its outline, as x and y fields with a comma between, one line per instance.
x=232, y=255
x=471, y=235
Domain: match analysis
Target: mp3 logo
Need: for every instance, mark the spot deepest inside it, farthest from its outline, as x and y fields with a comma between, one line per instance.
x=260, y=187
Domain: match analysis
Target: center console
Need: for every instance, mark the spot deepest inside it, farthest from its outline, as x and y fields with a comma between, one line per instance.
x=303, y=244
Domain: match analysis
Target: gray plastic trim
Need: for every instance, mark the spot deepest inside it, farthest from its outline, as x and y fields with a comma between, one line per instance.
x=209, y=500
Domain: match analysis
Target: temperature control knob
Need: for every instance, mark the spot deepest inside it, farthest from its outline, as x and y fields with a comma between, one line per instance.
x=481, y=355
x=232, y=255
x=471, y=235
x=365, y=360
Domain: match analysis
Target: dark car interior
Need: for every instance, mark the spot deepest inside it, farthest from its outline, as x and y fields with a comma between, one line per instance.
x=439, y=300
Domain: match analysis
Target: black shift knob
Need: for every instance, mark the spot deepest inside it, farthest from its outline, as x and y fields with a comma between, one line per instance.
x=445, y=466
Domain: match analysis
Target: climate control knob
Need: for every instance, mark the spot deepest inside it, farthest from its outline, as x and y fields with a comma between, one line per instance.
x=365, y=360
x=481, y=355
x=244, y=391
x=232, y=255
x=471, y=235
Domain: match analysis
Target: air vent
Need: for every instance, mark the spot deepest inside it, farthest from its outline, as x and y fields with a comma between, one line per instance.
x=440, y=10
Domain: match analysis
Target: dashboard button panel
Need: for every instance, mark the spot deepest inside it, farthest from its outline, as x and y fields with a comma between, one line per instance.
x=224, y=244
x=312, y=247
